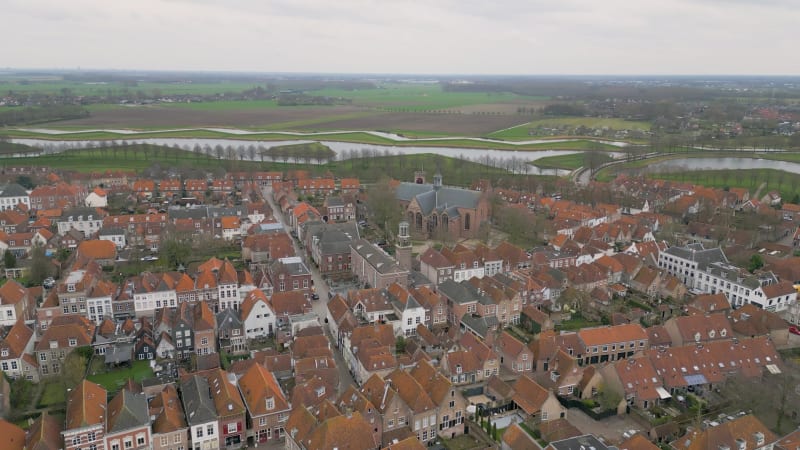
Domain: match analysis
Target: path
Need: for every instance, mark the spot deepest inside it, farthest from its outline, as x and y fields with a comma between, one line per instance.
x=757, y=194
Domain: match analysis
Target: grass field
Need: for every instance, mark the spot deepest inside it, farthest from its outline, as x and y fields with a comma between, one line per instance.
x=523, y=131
x=570, y=162
x=115, y=379
x=456, y=171
x=53, y=393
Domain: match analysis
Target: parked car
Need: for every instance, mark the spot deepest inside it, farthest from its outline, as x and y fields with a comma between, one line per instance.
x=314, y=296
x=794, y=330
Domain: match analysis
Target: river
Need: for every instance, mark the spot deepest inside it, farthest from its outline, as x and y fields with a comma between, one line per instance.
x=512, y=160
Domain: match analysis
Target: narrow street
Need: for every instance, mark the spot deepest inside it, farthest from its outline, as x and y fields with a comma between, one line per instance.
x=321, y=288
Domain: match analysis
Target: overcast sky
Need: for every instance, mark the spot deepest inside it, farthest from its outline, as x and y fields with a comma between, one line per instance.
x=407, y=36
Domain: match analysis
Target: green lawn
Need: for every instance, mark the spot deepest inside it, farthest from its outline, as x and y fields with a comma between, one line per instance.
x=53, y=393
x=570, y=162
x=115, y=379
x=463, y=442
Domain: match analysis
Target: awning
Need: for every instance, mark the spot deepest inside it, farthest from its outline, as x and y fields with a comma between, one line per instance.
x=773, y=369
x=662, y=393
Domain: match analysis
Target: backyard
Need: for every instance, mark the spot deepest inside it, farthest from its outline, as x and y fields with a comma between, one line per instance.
x=115, y=379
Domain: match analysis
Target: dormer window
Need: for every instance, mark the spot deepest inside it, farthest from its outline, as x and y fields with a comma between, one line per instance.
x=4, y=352
x=270, y=403
x=711, y=334
x=70, y=288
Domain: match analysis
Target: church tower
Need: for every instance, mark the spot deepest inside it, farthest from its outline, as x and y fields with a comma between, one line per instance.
x=403, y=247
x=437, y=181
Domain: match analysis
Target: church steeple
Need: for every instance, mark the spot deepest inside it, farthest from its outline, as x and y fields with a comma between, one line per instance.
x=437, y=181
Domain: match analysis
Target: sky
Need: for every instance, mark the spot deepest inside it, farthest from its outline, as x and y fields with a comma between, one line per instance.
x=531, y=37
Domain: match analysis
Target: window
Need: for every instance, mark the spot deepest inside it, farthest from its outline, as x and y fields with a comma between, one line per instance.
x=198, y=432
x=544, y=415
x=176, y=439
x=271, y=403
x=129, y=443
x=140, y=440
x=232, y=427
x=76, y=440
x=163, y=441
x=390, y=424
x=210, y=430
x=73, y=342
x=204, y=341
x=262, y=421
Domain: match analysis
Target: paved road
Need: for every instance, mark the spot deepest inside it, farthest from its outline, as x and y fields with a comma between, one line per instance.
x=321, y=288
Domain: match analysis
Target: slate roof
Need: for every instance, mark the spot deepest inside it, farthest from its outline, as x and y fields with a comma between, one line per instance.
x=127, y=410
x=13, y=190
x=376, y=257
x=699, y=254
x=444, y=199
x=197, y=401
x=463, y=292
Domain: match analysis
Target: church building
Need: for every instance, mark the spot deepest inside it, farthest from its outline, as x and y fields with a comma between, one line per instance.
x=435, y=211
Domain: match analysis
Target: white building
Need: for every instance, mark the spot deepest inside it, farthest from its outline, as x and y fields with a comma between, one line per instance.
x=115, y=235
x=407, y=309
x=16, y=353
x=150, y=292
x=86, y=220
x=12, y=195
x=258, y=317
x=708, y=271
x=97, y=199
x=463, y=271
x=98, y=301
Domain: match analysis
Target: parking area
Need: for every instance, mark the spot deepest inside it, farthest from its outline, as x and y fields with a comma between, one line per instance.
x=610, y=429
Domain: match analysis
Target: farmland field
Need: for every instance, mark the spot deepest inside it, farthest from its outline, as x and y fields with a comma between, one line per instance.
x=523, y=131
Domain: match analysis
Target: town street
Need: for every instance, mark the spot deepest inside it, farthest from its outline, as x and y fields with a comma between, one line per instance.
x=321, y=288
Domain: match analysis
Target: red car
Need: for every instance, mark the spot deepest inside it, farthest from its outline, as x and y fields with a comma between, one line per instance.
x=794, y=330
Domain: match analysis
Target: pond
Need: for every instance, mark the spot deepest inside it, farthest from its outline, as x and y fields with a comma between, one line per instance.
x=676, y=165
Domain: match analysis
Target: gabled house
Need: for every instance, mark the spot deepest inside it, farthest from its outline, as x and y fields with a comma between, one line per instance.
x=535, y=402
x=231, y=412
x=636, y=381
x=128, y=422
x=201, y=411
x=257, y=315
x=230, y=331
x=514, y=354
x=14, y=303
x=86, y=417
x=16, y=353
x=64, y=335
x=267, y=406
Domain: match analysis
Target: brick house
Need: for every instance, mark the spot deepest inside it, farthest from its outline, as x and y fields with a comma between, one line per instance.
x=85, y=417
x=267, y=407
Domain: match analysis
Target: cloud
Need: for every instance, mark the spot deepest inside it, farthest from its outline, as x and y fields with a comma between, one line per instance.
x=407, y=36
